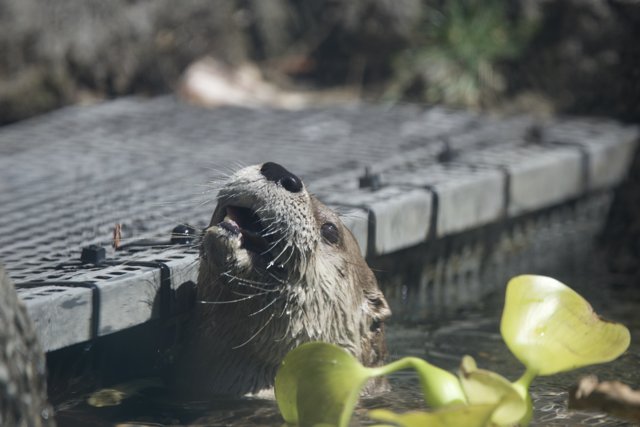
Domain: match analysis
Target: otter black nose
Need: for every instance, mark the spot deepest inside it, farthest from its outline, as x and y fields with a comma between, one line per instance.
x=276, y=173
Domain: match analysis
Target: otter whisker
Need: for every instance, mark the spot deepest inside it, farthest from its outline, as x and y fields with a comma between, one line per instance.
x=198, y=199
x=272, y=226
x=273, y=245
x=273, y=218
x=273, y=223
x=276, y=278
x=226, y=170
x=285, y=310
x=255, y=282
x=232, y=301
x=242, y=294
x=250, y=286
x=249, y=283
x=302, y=261
x=269, y=233
x=275, y=260
x=266, y=306
x=254, y=335
x=293, y=250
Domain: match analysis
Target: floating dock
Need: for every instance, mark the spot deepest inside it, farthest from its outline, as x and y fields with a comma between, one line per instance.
x=401, y=175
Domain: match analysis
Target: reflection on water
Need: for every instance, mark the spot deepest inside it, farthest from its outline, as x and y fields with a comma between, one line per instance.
x=441, y=341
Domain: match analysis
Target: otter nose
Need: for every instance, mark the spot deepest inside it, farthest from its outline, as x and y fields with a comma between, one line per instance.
x=276, y=173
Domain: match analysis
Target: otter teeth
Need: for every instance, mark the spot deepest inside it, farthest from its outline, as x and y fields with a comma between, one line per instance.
x=245, y=223
x=230, y=225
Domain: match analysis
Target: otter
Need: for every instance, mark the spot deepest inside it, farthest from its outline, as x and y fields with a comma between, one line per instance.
x=277, y=269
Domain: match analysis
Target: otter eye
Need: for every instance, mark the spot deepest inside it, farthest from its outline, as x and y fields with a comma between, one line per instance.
x=330, y=232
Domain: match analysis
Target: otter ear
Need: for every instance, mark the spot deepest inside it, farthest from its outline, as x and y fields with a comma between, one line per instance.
x=378, y=305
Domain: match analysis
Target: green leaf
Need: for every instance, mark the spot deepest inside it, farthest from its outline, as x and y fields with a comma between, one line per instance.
x=456, y=415
x=484, y=387
x=550, y=328
x=440, y=387
x=319, y=383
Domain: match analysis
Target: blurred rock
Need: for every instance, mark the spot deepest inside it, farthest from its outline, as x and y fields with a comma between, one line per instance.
x=584, y=58
x=69, y=51
x=210, y=83
x=23, y=387
x=359, y=39
x=64, y=51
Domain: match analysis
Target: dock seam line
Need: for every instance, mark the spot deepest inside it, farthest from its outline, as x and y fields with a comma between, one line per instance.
x=94, y=325
x=165, y=284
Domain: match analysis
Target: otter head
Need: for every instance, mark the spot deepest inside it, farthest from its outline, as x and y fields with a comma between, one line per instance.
x=278, y=268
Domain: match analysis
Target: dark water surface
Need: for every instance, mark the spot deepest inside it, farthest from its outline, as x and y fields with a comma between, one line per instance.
x=442, y=341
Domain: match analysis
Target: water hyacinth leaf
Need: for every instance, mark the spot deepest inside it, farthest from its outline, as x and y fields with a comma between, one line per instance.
x=550, y=328
x=456, y=415
x=440, y=387
x=319, y=383
x=484, y=387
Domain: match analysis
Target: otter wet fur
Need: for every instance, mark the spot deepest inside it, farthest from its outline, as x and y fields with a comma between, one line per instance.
x=278, y=268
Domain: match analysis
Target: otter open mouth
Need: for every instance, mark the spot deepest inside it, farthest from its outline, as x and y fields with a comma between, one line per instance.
x=248, y=225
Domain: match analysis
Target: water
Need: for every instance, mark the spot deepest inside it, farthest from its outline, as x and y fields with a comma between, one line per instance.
x=442, y=341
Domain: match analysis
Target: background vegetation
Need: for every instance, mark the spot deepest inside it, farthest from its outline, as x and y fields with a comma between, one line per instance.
x=558, y=55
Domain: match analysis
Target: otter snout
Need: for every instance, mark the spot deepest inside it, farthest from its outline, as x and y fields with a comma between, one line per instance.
x=264, y=221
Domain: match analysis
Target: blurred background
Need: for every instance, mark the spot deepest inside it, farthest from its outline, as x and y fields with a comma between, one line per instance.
x=544, y=57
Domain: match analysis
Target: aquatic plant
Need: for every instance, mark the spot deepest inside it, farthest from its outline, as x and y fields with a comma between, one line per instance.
x=454, y=54
x=549, y=327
